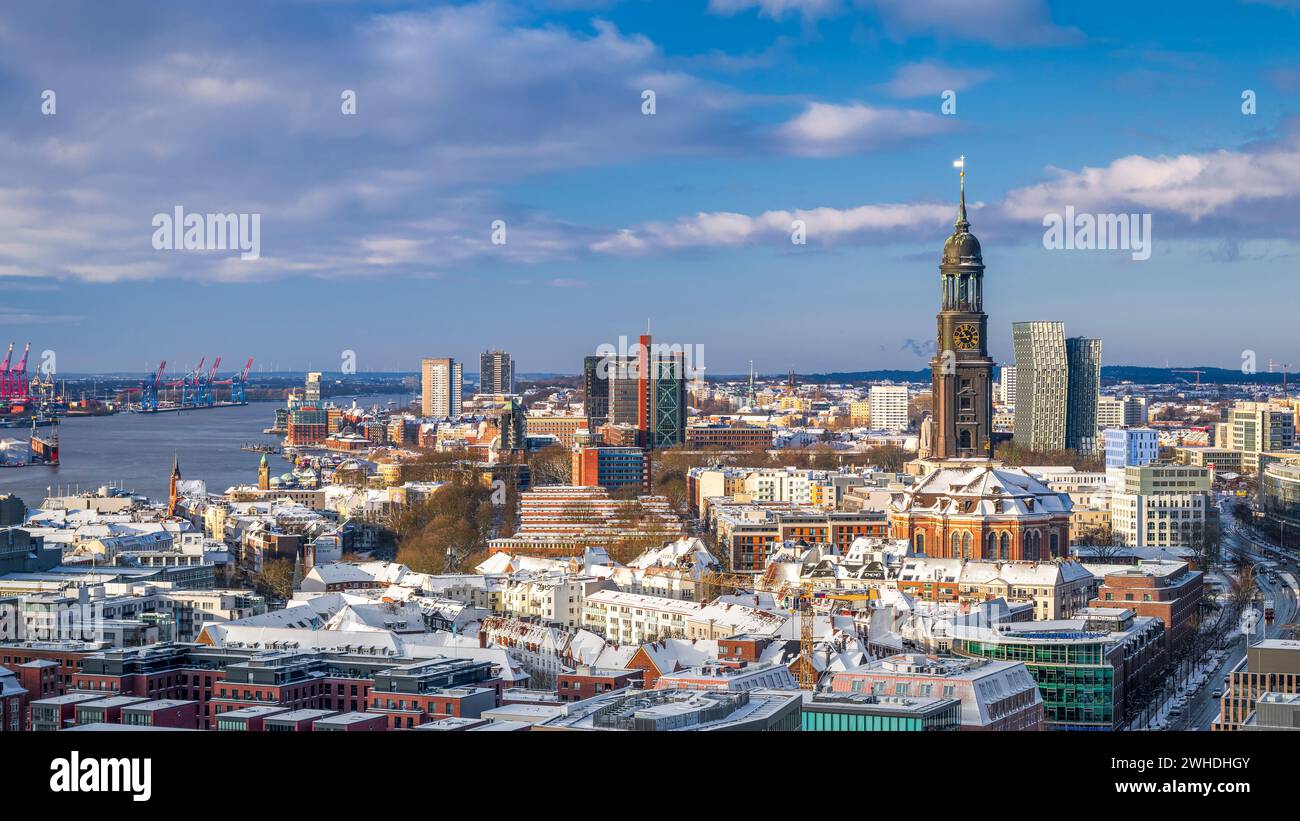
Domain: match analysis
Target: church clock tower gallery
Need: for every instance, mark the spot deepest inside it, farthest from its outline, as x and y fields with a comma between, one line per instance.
x=961, y=371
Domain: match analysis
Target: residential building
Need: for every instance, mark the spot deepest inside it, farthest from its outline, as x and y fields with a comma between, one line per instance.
x=421, y=691
x=1042, y=384
x=1056, y=589
x=587, y=682
x=1270, y=666
x=595, y=390
x=549, y=598
x=1121, y=412
x=1279, y=495
x=311, y=389
x=994, y=695
x=13, y=703
x=1128, y=447
x=563, y=428
x=1170, y=591
x=441, y=388
x=750, y=532
x=1058, y=381
x=761, y=675
x=496, y=374
x=1007, y=385
x=728, y=437
x=1083, y=357
x=1259, y=427
x=631, y=618
x=611, y=468
x=1162, y=505
x=889, y=407
x=563, y=520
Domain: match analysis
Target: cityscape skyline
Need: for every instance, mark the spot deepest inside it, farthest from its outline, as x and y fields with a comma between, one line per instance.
x=408, y=366
x=765, y=113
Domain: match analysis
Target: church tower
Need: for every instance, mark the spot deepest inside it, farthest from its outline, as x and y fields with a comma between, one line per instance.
x=174, y=493
x=961, y=371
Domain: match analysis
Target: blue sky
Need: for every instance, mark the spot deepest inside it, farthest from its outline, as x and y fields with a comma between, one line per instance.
x=375, y=227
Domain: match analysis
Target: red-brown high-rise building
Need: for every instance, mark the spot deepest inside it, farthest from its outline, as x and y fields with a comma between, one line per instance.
x=643, y=387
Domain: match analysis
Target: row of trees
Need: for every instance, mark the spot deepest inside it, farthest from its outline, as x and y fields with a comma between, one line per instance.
x=447, y=532
x=1016, y=454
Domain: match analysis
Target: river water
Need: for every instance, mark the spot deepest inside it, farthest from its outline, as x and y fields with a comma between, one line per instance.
x=135, y=450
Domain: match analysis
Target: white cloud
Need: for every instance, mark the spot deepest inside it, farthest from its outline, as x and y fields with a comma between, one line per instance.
x=825, y=130
x=931, y=77
x=823, y=226
x=778, y=9
x=1193, y=186
x=998, y=22
x=1002, y=23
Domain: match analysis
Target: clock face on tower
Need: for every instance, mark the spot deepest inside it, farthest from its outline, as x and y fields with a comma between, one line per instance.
x=966, y=336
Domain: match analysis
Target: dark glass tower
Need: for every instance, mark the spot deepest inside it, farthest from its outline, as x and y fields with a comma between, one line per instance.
x=961, y=370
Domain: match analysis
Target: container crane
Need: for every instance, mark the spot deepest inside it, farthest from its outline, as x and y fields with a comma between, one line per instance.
x=13, y=381
x=4, y=373
x=18, y=379
x=190, y=384
x=203, y=389
x=242, y=384
x=237, y=383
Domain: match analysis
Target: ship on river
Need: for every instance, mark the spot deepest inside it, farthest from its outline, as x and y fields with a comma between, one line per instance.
x=42, y=448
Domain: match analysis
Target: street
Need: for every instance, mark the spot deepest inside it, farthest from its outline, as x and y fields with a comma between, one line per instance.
x=1202, y=708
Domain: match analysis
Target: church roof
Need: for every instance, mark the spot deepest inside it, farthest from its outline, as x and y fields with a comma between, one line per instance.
x=962, y=248
x=982, y=491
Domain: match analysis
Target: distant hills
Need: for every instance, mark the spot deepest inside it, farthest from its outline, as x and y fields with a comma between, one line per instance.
x=1110, y=374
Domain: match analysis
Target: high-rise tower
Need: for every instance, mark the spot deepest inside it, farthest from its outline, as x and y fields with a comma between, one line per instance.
x=961, y=370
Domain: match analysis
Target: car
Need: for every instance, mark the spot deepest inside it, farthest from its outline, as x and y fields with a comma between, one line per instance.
x=1175, y=712
x=1216, y=694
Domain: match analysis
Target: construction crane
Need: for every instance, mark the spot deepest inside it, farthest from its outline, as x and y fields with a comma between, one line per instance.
x=1284, y=368
x=801, y=598
x=807, y=673
x=1198, y=374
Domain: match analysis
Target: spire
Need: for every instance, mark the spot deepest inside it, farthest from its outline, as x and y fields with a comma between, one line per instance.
x=961, y=224
x=176, y=466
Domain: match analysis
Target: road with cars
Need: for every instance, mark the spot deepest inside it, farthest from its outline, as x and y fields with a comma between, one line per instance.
x=1276, y=579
